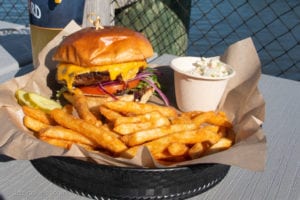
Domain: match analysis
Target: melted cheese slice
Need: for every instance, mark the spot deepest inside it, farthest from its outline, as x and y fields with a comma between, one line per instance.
x=67, y=72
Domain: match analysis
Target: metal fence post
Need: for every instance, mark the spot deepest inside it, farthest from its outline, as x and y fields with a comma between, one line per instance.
x=103, y=9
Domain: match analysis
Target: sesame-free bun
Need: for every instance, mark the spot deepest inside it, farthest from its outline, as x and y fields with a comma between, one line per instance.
x=93, y=102
x=112, y=44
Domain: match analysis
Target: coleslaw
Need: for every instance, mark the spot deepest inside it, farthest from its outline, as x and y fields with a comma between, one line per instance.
x=209, y=67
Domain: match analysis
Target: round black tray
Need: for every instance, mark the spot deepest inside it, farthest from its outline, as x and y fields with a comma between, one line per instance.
x=108, y=182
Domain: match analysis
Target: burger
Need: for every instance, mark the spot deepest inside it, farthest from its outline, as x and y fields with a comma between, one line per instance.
x=106, y=64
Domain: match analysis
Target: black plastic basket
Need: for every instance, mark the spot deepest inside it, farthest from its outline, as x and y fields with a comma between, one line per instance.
x=109, y=182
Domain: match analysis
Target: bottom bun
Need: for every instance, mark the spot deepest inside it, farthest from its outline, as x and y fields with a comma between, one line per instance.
x=95, y=101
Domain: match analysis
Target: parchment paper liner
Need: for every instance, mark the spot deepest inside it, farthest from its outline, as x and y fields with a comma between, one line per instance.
x=242, y=102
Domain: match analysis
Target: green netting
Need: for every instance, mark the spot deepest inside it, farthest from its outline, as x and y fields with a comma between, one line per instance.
x=159, y=23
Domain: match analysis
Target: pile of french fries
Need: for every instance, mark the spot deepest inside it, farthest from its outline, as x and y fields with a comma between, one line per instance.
x=120, y=128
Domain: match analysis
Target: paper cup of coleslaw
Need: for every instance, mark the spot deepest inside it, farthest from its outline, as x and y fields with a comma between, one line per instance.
x=200, y=82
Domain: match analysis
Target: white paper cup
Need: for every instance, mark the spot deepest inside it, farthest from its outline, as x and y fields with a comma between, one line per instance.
x=196, y=92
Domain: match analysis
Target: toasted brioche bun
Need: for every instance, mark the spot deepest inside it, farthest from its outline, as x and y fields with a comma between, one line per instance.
x=91, y=47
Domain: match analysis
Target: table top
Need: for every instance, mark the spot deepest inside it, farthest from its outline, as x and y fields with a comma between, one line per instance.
x=279, y=180
x=15, y=50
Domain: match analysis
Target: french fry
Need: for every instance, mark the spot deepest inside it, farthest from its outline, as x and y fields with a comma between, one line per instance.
x=203, y=117
x=38, y=115
x=220, y=119
x=166, y=156
x=151, y=116
x=58, y=132
x=129, y=128
x=81, y=105
x=101, y=136
x=140, y=108
x=198, y=149
x=191, y=114
x=130, y=153
x=205, y=134
x=125, y=129
x=68, y=109
x=143, y=136
x=156, y=146
x=109, y=114
x=57, y=142
x=169, y=136
x=87, y=147
x=65, y=143
x=177, y=149
x=213, y=118
x=222, y=144
x=33, y=124
x=182, y=119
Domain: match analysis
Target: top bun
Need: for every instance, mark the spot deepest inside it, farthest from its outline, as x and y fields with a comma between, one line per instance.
x=112, y=44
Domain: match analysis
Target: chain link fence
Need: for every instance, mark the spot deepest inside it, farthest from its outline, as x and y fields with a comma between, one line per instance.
x=273, y=25
x=207, y=27
x=14, y=11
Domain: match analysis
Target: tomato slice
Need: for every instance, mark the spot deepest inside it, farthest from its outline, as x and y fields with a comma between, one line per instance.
x=112, y=88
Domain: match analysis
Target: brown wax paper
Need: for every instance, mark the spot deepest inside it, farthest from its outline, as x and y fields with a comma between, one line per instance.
x=241, y=101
